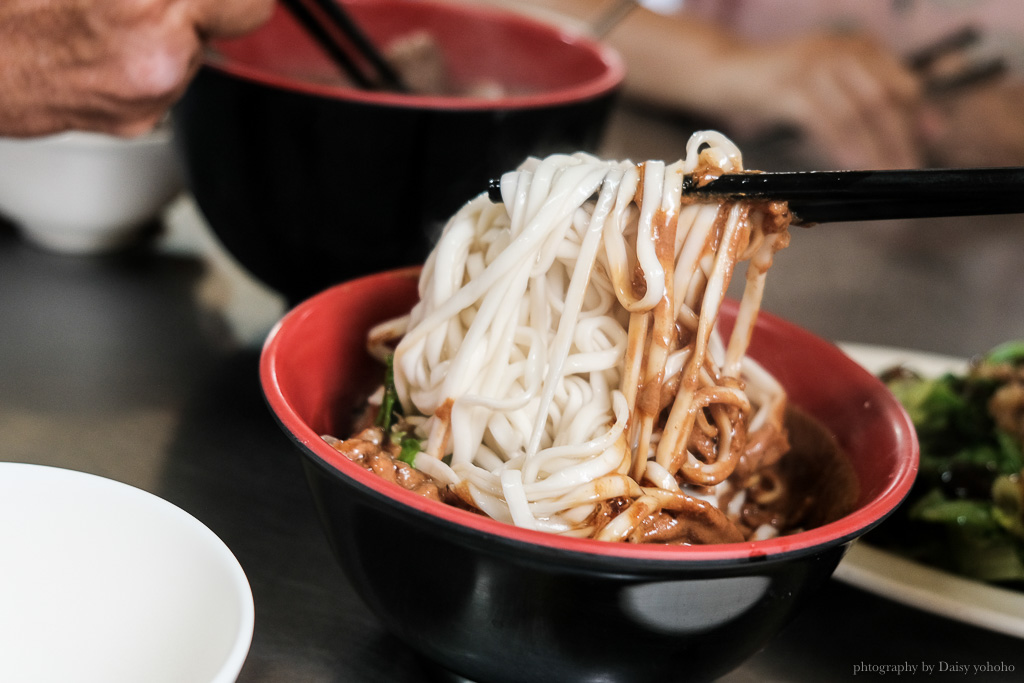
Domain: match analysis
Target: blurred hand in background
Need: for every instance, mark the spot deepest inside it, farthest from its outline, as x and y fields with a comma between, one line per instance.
x=853, y=99
x=112, y=66
x=853, y=95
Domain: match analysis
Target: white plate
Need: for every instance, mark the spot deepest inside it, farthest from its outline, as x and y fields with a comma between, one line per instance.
x=911, y=583
x=104, y=582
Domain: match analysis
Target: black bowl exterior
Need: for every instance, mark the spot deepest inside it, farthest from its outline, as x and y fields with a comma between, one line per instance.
x=536, y=614
x=305, y=191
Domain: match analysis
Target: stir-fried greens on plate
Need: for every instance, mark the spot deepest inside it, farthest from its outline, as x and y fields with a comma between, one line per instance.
x=965, y=513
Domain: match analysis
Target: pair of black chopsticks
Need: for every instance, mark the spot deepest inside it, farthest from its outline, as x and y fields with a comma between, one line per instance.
x=337, y=33
x=840, y=196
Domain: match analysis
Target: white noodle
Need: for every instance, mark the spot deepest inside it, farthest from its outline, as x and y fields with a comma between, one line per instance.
x=536, y=338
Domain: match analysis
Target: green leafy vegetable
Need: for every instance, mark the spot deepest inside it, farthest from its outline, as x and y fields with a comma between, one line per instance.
x=1011, y=352
x=1008, y=496
x=966, y=511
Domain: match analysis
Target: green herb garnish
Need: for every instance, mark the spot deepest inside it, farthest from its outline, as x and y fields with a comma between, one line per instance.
x=410, y=448
x=389, y=406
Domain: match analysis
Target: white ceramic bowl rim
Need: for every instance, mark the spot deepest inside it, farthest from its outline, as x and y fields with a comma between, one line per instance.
x=110, y=527
x=161, y=135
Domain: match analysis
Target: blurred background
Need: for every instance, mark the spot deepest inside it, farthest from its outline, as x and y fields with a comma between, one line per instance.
x=130, y=351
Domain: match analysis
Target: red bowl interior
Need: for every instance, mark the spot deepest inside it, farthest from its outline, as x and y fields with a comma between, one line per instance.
x=537, y=63
x=314, y=364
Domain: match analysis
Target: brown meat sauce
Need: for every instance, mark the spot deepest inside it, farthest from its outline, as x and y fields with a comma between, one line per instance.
x=812, y=485
x=371, y=451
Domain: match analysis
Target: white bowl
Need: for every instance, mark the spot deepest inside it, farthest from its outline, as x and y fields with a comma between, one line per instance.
x=84, y=192
x=103, y=582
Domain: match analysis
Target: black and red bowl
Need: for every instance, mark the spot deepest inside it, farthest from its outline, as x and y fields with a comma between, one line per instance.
x=307, y=181
x=499, y=604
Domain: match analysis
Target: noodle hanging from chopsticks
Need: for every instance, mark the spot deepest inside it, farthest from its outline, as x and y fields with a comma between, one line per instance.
x=563, y=368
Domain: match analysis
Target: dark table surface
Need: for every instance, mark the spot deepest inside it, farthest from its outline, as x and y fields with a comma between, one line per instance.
x=141, y=366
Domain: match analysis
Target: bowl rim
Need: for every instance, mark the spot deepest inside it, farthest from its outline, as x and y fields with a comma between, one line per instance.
x=839, y=532
x=605, y=83
x=159, y=136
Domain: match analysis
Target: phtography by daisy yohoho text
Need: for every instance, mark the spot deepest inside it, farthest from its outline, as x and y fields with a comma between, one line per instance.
x=922, y=668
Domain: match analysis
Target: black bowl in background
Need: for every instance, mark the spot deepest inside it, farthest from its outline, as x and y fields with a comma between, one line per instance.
x=307, y=182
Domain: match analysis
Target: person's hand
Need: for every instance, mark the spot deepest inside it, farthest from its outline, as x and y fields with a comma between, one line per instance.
x=857, y=104
x=113, y=66
x=855, y=101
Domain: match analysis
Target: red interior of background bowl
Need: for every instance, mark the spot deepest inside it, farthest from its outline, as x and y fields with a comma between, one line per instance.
x=535, y=62
x=315, y=357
